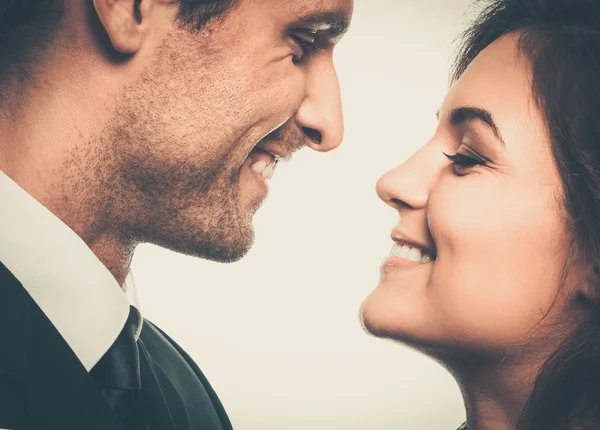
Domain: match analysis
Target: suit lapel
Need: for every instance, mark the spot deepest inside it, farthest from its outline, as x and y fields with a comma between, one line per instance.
x=57, y=390
x=225, y=422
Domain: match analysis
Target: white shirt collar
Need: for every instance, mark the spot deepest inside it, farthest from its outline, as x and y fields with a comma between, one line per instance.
x=73, y=288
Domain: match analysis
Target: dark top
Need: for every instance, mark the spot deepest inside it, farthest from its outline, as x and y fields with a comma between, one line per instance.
x=44, y=386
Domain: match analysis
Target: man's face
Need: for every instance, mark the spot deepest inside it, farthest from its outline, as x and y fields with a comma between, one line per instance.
x=194, y=137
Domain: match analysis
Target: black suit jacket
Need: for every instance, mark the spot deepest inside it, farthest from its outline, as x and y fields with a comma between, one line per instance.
x=43, y=385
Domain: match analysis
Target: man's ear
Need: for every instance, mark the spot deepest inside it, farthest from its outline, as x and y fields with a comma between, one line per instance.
x=126, y=22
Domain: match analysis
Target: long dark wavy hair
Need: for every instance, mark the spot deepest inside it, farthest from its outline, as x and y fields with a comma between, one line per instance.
x=561, y=40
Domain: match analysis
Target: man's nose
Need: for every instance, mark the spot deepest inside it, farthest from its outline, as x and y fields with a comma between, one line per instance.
x=320, y=113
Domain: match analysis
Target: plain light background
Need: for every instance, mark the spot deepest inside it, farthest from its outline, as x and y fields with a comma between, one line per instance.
x=278, y=334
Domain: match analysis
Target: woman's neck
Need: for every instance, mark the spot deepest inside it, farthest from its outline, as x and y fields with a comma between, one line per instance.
x=486, y=412
x=494, y=396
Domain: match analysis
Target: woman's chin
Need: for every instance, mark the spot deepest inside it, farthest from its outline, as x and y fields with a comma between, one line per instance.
x=404, y=320
x=382, y=317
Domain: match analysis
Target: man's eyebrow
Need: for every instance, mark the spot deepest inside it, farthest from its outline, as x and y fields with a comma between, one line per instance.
x=333, y=24
x=465, y=114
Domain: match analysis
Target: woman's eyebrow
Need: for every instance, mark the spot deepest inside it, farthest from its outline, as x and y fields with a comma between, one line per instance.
x=466, y=114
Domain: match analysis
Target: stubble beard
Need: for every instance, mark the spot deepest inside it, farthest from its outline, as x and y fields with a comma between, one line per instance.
x=168, y=176
x=192, y=206
x=195, y=214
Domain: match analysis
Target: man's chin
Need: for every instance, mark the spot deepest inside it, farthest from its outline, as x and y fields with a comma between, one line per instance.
x=217, y=235
x=228, y=248
x=232, y=256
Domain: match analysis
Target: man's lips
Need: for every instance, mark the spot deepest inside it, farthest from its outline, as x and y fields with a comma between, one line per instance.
x=262, y=162
x=264, y=157
x=278, y=152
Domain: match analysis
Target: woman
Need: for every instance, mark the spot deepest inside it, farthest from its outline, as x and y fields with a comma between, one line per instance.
x=495, y=267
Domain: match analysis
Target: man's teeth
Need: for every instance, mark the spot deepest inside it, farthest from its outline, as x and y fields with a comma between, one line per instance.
x=263, y=168
x=409, y=253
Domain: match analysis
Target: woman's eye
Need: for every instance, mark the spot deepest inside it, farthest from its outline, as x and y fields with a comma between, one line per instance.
x=461, y=162
x=306, y=45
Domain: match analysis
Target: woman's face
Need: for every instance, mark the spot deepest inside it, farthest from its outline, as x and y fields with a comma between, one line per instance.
x=496, y=230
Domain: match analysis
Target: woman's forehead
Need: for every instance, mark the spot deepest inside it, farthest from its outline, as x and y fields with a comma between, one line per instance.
x=498, y=77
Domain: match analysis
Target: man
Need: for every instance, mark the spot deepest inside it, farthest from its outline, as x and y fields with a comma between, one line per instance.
x=129, y=121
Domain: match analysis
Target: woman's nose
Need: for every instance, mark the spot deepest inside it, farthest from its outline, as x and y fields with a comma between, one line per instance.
x=408, y=184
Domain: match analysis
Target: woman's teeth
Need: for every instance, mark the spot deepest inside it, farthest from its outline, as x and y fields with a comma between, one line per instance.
x=409, y=253
x=263, y=168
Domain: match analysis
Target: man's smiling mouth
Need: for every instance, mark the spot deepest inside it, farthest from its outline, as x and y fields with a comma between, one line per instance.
x=263, y=162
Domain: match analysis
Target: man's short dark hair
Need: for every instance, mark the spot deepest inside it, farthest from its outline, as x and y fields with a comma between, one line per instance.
x=28, y=28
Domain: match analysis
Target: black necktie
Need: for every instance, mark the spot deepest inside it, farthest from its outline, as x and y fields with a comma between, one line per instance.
x=150, y=385
x=118, y=376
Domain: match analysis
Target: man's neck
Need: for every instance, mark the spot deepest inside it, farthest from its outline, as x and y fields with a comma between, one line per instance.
x=45, y=155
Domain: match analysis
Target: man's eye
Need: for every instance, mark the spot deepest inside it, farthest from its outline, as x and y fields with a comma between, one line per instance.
x=461, y=162
x=306, y=43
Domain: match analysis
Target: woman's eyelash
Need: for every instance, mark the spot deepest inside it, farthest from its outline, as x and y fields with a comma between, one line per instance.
x=464, y=161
